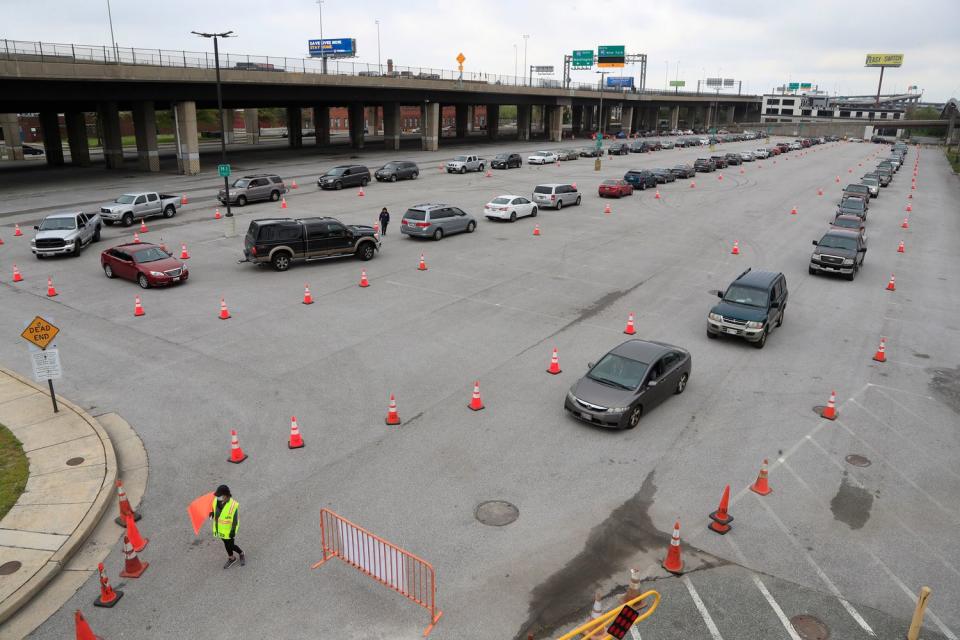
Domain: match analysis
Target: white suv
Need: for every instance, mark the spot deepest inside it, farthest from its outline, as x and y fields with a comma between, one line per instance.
x=761, y=154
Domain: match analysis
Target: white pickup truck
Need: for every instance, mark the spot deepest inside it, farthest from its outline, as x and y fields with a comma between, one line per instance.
x=137, y=206
x=65, y=234
x=462, y=164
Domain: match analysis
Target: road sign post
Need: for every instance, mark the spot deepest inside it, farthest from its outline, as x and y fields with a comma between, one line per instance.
x=223, y=170
x=44, y=354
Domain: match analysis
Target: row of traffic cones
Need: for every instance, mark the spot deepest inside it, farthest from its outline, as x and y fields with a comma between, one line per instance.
x=237, y=454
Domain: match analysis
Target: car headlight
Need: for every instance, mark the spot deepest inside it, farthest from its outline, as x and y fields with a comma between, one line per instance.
x=848, y=261
x=157, y=274
x=716, y=317
x=754, y=325
x=33, y=243
x=618, y=409
x=815, y=256
x=571, y=397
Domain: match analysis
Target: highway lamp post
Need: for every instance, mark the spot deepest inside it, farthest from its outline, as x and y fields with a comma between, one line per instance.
x=379, y=66
x=526, y=37
x=666, y=74
x=323, y=54
x=514, y=61
x=597, y=163
x=113, y=41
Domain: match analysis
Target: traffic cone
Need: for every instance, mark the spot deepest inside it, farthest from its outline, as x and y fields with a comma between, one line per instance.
x=909, y=207
x=376, y=228
x=656, y=196
x=793, y=211
x=108, y=596
x=83, y=630
x=138, y=542
x=819, y=193
x=536, y=229
x=721, y=519
x=236, y=453
x=574, y=185
x=393, y=418
x=143, y=225
x=124, y=507
x=132, y=567
x=554, y=363
x=216, y=214
x=762, y=485
x=16, y=274
x=673, y=562
x=307, y=298
x=742, y=171
x=476, y=404
x=183, y=199
x=606, y=209
x=360, y=193
x=16, y=230
x=881, y=354
x=850, y=170
x=597, y=609
x=892, y=285
x=913, y=187
x=183, y=252
x=363, y=279
x=720, y=177
x=51, y=290
x=900, y=247
x=224, y=313
x=830, y=411
x=633, y=590
x=296, y=440
x=736, y=248
x=630, y=330
x=283, y=202
x=423, y=264
x=838, y=179
x=905, y=224
x=293, y=184
x=1, y=242
x=136, y=238
x=441, y=167
x=909, y=196
x=693, y=184
x=489, y=173
x=137, y=307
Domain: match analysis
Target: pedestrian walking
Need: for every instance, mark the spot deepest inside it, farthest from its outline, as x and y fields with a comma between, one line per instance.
x=225, y=512
x=384, y=220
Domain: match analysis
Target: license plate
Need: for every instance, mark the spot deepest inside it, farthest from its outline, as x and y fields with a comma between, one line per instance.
x=586, y=416
x=177, y=279
x=733, y=331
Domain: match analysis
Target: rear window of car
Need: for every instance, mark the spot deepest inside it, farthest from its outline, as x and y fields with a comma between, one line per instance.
x=852, y=203
x=543, y=189
x=276, y=179
x=849, y=224
x=500, y=201
x=415, y=214
x=611, y=183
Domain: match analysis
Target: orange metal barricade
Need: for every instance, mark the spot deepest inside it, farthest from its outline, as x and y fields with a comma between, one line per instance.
x=383, y=561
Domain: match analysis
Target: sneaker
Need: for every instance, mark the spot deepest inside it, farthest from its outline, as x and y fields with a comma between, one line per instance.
x=230, y=562
x=243, y=560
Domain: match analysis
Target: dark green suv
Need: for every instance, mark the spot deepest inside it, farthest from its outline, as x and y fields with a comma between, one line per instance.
x=750, y=308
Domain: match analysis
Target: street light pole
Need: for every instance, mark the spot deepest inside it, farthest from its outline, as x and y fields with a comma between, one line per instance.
x=113, y=40
x=526, y=37
x=379, y=66
x=514, y=60
x=323, y=54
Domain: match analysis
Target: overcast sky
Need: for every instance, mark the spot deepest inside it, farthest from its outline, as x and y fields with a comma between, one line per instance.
x=764, y=44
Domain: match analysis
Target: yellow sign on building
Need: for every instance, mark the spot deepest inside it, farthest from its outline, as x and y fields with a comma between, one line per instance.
x=884, y=59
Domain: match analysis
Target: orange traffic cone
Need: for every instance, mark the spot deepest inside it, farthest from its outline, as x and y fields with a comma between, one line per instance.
x=900, y=247
x=423, y=264
x=124, y=507
x=693, y=185
x=16, y=274
x=296, y=440
x=633, y=589
x=720, y=177
x=656, y=196
x=905, y=224
x=762, y=485
x=830, y=411
x=393, y=418
x=489, y=173
x=913, y=187
x=307, y=298
x=108, y=596
x=236, y=453
x=183, y=199
x=736, y=248
x=630, y=330
x=742, y=171
x=51, y=290
x=1, y=242
x=216, y=214
x=183, y=252
x=673, y=562
x=138, y=542
x=283, y=202
x=132, y=567
x=793, y=211
x=909, y=196
x=293, y=184
x=892, y=285
x=536, y=229
x=554, y=368
x=83, y=630
x=909, y=207
x=721, y=519
x=137, y=307
x=574, y=185
x=819, y=192
x=850, y=170
x=476, y=404
x=363, y=279
x=441, y=167
x=360, y=193
x=606, y=209
x=136, y=238
x=16, y=230
x=224, y=313
x=881, y=354
x=143, y=225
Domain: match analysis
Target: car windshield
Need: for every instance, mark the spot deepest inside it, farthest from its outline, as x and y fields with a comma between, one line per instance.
x=847, y=223
x=856, y=204
x=500, y=200
x=151, y=254
x=241, y=184
x=502, y=156
x=870, y=181
x=460, y=159
x=618, y=371
x=391, y=165
x=125, y=199
x=611, y=182
x=58, y=224
x=415, y=214
x=746, y=295
x=336, y=171
x=838, y=242
x=540, y=153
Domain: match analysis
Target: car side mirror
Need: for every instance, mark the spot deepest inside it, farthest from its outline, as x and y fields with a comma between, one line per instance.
x=862, y=250
x=37, y=227
x=81, y=225
x=589, y=365
x=815, y=243
x=720, y=294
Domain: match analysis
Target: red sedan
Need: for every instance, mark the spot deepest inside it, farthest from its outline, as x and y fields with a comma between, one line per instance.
x=615, y=188
x=146, y=264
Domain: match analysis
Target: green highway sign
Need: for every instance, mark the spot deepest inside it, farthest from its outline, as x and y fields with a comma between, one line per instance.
x=678, y=83
x=223, y=170
x=806, y=85
x=611, y=56
x=582, y=59
x=793, y=86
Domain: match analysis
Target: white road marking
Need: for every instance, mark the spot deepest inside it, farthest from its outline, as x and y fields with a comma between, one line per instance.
x=702, y=608
x=766, y=593
x=912, y=393
x=943, y=628
x=634, y=632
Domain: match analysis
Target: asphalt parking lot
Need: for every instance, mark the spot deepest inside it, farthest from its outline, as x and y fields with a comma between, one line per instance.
x=843, y=543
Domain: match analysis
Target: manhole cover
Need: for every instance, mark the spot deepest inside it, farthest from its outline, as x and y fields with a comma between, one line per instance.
x=496, y=513
x=818, y=409
x=72, y=462
x=857, y=460
x=809, y=628
x=9, y=567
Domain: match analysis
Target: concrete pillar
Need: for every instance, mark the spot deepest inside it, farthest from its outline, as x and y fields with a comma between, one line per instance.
x=731, y=110
x=109, y=116
x=576, y=119
x=493, y=121
x=588, y=119
x=626, y=119
x=523, y=122
x=373, y=121
x=391, y=126
x=52, y=143
x=675, y=116
x=145, y=128
x=430, y=126
x=356, y=117
x=251, y=120
x=188, y=151
x=461, y=120
x=321, y=125
x=294, y=127
x=77, y=138
x=11, y=136
x=637, y=124
x=228, y=117
x=555, y=132
x=652, y=118
x=709, y=118
x=471, y=117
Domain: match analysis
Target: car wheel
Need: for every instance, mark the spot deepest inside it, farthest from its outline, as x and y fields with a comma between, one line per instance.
x=471, y=226
x=481, y=169
x=127, y=219
x=274, y=196
x=281, y=261
x=759, y=344
x=681, y=383
x=393, y=178
x=438, y=234
x=169, y=211
x=364, y=182
x=242, y=201
x=338, y=185
x=414, y=176
x=533, y=212
x=366, y=251
x=463, y=169
x=559, y=205
x=811, y=271
x=852, y=275
x=513, y=216
x=578, y=201
x=77, y=248
x=107, y=270
x=96, y=235
x=634, y=418
x=143, y=282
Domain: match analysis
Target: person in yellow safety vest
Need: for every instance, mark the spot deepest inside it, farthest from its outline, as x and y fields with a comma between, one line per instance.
x=225, y=512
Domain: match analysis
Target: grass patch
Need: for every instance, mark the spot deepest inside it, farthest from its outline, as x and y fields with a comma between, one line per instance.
x=14, y=469
x=131, y=141
x=954, y=158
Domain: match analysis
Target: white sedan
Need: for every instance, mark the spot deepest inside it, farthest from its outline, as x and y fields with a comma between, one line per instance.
x=509, y=208
x=760, y=154
x=543, y=157
x=746, y=156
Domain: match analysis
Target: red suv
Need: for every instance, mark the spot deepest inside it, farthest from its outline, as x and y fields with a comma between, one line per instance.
x=146, y=264
x=615, y=188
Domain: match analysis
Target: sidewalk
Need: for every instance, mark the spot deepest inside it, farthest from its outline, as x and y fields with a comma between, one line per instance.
x=73, y=470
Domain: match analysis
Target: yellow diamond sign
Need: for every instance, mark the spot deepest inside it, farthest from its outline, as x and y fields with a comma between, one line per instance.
x=460, y=58
x=40, y=332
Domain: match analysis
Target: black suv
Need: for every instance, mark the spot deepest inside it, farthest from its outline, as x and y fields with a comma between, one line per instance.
x=853, y=206
x=641, y=178
x=397, y=170
x=345, y=175
x=618, y=149
x=683, y=171
x=279, y=241
x=704, y=165
x=750, y=308
x=506, y=161
x=733, y=158
x=839, y=251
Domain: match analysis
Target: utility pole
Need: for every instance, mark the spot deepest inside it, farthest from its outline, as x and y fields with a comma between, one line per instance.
x=379, y=66
x=323, y=54
x=526, y=37
x=514, y=60
x=113, y=41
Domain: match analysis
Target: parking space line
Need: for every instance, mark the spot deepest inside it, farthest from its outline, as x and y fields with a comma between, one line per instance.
x=702, y=608
x=913, y=597
x=912, y=393
x=634, y=633
x=766, y=592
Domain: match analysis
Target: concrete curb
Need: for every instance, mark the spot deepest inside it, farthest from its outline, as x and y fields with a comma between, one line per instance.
x=38, y=580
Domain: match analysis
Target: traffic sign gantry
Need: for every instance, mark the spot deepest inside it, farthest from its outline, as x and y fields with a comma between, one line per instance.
x=40, y=333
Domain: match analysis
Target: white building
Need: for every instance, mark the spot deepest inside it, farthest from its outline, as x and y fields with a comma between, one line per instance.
x=814, y=106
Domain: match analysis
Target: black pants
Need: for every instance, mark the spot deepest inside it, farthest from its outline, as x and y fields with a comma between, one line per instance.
x=383, y=228
x=231, y=546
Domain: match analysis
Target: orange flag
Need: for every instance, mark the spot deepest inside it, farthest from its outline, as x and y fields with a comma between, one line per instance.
x=199, y=511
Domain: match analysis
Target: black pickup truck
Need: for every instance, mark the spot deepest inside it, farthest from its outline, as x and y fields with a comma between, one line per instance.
x=280, y=241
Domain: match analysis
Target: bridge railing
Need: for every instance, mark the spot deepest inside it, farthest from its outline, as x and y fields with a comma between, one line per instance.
x=105, y=54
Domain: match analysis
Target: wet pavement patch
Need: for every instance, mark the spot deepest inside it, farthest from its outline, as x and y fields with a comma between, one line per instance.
x=8, y=568
x=852, y=504
x=945, y=385
x=496, y=513
x=810, y=628
x=921, y=355
x=72, y=462
x=858, y=460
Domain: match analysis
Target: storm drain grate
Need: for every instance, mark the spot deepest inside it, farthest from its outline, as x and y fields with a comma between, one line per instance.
x=810, y=628
x=9, y=567
x=496, y=513
x=858, y=460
